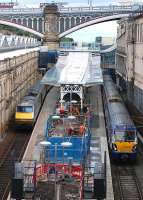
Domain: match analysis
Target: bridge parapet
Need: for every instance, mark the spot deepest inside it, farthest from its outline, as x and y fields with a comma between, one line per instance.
x=63, y=9
x=68, y=16
x=109, y=8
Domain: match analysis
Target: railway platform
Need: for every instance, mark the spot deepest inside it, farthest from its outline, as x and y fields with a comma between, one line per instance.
x=33, y=149
x=99, y=145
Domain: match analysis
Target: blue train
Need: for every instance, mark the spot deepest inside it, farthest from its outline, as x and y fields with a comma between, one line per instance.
x=122, y=133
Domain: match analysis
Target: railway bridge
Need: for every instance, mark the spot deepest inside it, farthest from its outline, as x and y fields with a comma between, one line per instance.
x=52, y=22
x=51, y=33
x=69, y=17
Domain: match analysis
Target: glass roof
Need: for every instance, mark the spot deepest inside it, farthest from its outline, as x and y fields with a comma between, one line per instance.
x=75, y=68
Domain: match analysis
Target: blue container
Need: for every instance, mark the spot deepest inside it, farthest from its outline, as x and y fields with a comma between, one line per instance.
x=52, y=56
x=43, y=59
x=47, y=56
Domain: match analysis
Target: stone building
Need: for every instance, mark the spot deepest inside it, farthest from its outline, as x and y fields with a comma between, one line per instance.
x=18, y=72
x=129, y=59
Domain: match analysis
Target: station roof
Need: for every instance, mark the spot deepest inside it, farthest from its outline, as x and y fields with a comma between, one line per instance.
x=78, y=68
x=112, y=48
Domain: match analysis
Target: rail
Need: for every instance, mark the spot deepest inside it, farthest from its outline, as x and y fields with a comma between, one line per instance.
x=14, y=152
x=109, y=8
x=128, y=183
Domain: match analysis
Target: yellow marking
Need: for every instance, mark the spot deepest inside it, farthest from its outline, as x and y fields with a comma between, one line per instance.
x=125, y=146
x=22, y=116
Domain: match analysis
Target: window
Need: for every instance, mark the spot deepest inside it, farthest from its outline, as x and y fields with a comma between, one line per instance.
x=125, y=135
x=129, y=135
x=27, y=109
x=138, y=33
x=119, y=135
x=141, y=32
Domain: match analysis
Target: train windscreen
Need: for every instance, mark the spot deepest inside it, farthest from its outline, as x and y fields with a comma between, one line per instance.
x=130, y=135
x=125, y=135
x=26, y=109
x=119, y=135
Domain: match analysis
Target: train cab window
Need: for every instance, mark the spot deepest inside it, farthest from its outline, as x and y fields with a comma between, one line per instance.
x=33, y=94
x=130, y=135
x=124, y=135
x=119, y=135
x=24, y=109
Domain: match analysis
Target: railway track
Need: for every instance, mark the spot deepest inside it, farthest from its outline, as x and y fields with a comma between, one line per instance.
x=127, y=185
x=14, y=153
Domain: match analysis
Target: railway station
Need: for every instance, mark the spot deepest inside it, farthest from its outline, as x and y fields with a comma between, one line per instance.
x=71, y=113
x=58, y=151
x=66, y=155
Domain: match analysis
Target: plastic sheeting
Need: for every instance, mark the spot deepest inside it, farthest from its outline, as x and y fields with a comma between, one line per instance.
x=75, y=68
x=77, y=151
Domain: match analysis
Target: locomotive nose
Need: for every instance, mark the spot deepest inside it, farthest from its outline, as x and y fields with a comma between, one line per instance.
x=124, y=147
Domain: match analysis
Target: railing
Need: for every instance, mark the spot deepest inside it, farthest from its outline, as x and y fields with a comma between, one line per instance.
x=109, y=8
x=99, y=8
x=78, y=46
x=21, y=10
x=95, y=180
x=11, y=48
x=138, y=13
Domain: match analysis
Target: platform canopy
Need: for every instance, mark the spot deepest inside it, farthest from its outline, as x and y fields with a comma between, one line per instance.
x=80, y=68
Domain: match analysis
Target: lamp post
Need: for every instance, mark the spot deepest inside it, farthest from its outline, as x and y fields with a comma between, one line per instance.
x=45, y=144
x=64, y=145
x=70, y=164
x=55, y=159
x=62, y=101
x=55, y=117
x=73, y=101
x=71, y=117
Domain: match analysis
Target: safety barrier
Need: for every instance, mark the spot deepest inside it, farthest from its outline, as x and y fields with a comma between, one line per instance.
x=57, y=170
x=48, y=168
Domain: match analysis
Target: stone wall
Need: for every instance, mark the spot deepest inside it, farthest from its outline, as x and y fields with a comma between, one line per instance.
x=129, y=59
x=17, y=75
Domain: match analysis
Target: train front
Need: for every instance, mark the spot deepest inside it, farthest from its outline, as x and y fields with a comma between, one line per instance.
x=124, y=143
x=24, y=114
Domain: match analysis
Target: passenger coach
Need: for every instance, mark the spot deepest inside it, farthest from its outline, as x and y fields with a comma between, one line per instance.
x=122, y=133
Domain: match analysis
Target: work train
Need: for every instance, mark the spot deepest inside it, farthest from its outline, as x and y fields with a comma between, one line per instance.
x=27, y=110
x=122, y=133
